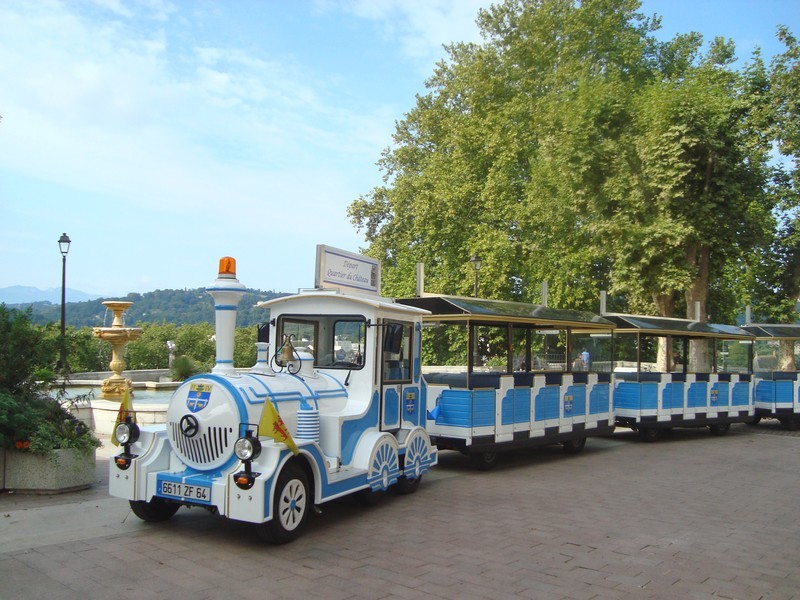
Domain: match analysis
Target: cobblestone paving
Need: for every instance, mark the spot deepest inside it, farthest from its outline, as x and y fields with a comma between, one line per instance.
x=692, y=516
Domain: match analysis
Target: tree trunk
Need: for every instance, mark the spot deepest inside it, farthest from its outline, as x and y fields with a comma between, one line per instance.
x=700, y=351
x=665, y=305
x=786, y=356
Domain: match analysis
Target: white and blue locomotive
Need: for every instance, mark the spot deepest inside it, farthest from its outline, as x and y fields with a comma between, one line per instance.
x=333, y=409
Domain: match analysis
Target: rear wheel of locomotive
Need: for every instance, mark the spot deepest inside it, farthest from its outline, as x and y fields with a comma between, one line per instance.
x=405, y=485
x=753, y=421
x=155, y=511
x=290, y=507
x=790, y=423
x=574, y=446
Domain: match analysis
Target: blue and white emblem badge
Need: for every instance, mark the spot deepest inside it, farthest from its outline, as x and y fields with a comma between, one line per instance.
x=199, y=395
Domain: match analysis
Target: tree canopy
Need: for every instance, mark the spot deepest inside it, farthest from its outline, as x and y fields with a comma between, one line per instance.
x=574, y=147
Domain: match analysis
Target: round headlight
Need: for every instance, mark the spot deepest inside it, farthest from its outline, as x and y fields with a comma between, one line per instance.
x=126, y=433
x=247, y=448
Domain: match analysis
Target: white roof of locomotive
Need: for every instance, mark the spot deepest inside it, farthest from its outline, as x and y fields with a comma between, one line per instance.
x=325, y=296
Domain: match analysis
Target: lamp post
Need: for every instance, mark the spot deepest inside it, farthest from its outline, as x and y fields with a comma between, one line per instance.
x=476, y=264
x=171, y=349
x=63, y=246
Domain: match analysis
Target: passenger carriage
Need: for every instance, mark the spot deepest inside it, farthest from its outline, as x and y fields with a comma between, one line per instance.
x=506, y=375
x=333, y=406
x=680, y=373
x=776, y=386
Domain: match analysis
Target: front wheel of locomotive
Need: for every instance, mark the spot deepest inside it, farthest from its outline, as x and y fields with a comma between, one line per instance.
x=155, y=511
x=290, y=507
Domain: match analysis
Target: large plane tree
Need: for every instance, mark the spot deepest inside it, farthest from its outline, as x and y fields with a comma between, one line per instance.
x=572, y=146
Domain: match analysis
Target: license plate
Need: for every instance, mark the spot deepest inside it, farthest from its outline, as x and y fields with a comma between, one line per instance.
x=184, y=491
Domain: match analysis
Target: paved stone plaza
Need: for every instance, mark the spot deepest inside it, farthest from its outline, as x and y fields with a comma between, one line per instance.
x=693, y=516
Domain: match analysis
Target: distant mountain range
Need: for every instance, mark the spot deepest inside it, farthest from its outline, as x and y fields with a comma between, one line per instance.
x=22, y=294
x=160, y=306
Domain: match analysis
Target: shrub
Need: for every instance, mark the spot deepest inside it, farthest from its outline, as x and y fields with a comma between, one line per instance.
x=183, y=367
x=25, y=352
x=41, y=423
x=31, y=419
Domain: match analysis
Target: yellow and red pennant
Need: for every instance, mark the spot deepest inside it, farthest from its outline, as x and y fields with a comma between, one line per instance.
x=125, y=409
x=272, y=426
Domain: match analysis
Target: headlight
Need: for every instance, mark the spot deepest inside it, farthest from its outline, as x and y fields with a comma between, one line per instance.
x=247, y=448
x=126, y=433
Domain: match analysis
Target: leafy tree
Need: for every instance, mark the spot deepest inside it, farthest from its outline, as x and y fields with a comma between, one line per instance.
x=27, y=355
x=172, y=306
x=150, y=350
x=244, y=346
x=573, y=147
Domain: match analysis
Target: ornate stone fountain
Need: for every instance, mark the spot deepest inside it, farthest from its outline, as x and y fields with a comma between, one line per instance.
x=118, y=336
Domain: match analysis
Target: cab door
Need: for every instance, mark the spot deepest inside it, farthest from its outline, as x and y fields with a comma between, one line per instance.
x=396, y=355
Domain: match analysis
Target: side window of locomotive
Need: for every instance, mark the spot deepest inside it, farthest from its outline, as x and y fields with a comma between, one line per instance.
x=397, y=352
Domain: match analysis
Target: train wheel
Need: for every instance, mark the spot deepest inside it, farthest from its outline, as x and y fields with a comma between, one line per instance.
x=416, y=462
x=574, y=446
x=790, y=423
x=719, y=428
x=483, y=461
x=405, y=485
x=383, y=467
x=649, y=434
x=290, y=507
x=369, y=498
x=155, y=511
x=753, y=421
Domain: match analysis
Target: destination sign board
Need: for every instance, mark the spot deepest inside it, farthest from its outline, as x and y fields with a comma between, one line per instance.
x=341, y=269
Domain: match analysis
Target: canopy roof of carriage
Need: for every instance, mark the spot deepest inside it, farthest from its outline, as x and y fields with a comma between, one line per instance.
x=482, y=310
x=764, y=331
x=675, y=327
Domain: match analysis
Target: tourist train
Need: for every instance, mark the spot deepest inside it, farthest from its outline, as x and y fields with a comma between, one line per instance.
x=341, y=402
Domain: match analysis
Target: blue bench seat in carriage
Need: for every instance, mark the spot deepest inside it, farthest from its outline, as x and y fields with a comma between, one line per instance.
x=697, y=396
x=740, y=396
x=466, y=408
x=720, y=392
x=633, y=395
x=599, y=399
x=773, y=389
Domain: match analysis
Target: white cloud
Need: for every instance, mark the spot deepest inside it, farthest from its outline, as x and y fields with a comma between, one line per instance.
x=104, y=108
x=423, y=26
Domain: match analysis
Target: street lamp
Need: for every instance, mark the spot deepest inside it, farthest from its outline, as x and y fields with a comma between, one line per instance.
x=63, y=246
x=476, y=264
x=171, y=349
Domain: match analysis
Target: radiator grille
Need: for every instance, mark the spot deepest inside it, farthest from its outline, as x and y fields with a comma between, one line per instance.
x=206, y=448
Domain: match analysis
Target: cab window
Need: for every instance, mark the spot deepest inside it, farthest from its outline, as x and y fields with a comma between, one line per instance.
x=335, y=341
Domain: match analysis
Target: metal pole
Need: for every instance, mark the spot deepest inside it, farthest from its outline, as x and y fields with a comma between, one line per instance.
x=62, y=362
x=476, y=284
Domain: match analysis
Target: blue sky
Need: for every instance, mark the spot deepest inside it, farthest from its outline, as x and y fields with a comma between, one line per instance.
x=161, y=136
